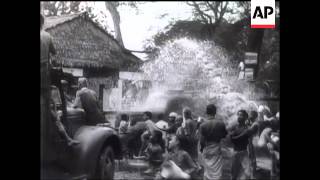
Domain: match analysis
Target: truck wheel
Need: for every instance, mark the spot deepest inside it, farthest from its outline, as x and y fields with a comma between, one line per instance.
x=106, y=164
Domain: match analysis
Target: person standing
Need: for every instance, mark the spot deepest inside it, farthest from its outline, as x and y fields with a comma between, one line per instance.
x=174, y=122
x=124, y=124
x=50, y=120
x=274, y=148
x=212, y=131
x=122, y=130
x=189, y=131
x=46, y=50
x=163, y=126
x=87, y=99
x=252, y=123
x=270, y=138
x=241, y=70
x=171, y=118
x=241, y=166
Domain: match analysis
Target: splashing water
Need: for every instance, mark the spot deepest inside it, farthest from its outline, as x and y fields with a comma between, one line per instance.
x=200, y=67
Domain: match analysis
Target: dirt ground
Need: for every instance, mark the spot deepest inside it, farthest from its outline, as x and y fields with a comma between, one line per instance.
x=125, y=171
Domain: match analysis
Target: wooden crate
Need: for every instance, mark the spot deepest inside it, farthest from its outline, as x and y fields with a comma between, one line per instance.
x=251, y=58
x=249, y=74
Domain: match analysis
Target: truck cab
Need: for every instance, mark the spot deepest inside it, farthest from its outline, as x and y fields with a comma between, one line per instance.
x=94, y=156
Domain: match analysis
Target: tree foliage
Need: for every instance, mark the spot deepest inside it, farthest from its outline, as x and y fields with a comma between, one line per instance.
x=210, y=12
x=55, y=8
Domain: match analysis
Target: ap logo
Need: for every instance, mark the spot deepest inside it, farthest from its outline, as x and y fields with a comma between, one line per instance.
x=263, y=14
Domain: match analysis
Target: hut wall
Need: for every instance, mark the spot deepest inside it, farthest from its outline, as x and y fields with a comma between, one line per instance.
x=97, y=77
x=82, y=44
x=95, y=82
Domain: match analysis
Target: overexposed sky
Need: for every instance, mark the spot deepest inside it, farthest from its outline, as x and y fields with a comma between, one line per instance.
x=137, y=26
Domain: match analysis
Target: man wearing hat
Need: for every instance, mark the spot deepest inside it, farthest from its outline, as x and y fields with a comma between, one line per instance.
x=163, y=126
x=172, y=123
x=161, y=123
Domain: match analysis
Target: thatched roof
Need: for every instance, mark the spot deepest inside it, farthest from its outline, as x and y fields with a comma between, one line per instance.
x=53, y=21
x=80, y=53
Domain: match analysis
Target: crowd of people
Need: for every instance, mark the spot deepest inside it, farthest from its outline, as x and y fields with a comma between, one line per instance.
x=180, y=147
x=183, y=147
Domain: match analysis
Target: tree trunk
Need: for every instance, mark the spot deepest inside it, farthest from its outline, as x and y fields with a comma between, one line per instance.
x=255, y=40
x=116, y=21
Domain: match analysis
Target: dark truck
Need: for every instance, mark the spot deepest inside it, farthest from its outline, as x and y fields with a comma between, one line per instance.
x=94, y=157
x=174, y=101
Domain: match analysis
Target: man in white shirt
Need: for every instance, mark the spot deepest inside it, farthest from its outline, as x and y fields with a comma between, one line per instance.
x=241, y=73
x=162, y=124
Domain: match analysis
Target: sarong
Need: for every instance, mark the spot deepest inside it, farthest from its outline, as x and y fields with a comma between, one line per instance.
x=212, y=162
x=241, y=167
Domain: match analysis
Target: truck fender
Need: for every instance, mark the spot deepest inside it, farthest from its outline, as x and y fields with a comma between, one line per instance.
x=92, y=140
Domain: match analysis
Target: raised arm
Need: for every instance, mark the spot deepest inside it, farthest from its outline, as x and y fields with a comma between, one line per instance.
x=248, y=132
x=77, y=101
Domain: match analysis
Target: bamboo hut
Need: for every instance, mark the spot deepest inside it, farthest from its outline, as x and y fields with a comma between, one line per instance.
x=85, y=49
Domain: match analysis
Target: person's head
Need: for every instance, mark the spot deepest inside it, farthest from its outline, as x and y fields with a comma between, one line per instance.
x=211, y=110
x=124, y=117
x=187, y=113
x=147, y=115
x=242, y=116
x=253, y=115
x=179, y=120
x=172, y=117
x=179, y=141
x=41, y=21
x=82, y=82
